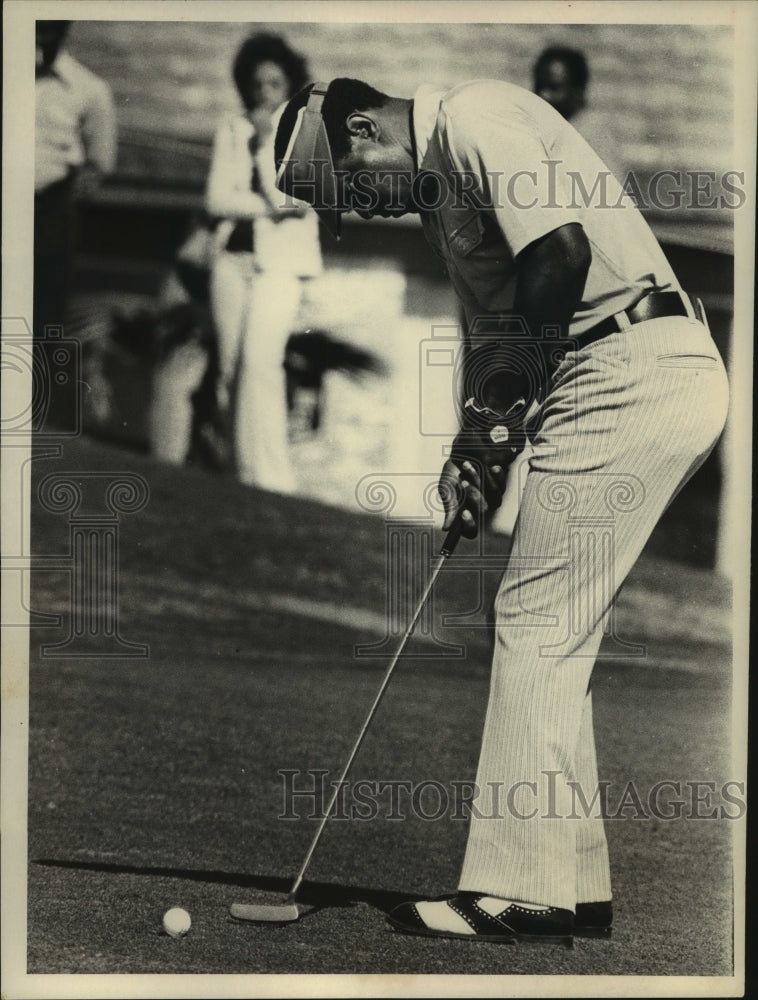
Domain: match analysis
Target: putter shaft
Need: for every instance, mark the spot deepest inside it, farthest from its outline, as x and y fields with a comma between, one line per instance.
x=448, y=546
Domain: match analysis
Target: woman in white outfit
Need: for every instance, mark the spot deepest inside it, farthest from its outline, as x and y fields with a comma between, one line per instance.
x=268, y=249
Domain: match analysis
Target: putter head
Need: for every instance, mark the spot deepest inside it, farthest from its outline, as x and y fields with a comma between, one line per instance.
x=265, y=913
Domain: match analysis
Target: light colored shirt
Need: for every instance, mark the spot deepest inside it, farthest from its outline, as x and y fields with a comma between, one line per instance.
x=528, y=172
x=600, y=133
x=287, y=244
x=75, y=122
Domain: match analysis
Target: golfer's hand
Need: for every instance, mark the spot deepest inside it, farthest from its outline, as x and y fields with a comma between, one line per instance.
x=461, y=490
x=475, y=484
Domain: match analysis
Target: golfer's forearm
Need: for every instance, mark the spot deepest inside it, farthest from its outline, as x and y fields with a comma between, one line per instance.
x=552, y=275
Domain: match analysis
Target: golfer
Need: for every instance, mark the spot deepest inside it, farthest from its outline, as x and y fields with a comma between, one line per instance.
x=581, y=339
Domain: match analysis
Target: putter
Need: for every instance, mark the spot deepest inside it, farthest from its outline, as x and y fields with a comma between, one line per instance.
x=287, y=911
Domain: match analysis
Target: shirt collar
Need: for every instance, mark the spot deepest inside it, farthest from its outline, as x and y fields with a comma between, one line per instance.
x=426, y=105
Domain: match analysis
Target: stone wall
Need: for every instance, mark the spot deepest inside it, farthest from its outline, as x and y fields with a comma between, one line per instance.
x=666, y=91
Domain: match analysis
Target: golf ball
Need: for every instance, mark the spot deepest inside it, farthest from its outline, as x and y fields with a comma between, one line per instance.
x=176, y=922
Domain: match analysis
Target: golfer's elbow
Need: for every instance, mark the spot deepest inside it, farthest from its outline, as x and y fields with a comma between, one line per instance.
x=573, y=249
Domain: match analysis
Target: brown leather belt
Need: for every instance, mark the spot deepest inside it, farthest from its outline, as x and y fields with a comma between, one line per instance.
x=652, y=306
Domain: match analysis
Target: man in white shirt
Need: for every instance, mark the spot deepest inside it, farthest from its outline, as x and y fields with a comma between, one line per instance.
x=580, y=337
x=75, y=147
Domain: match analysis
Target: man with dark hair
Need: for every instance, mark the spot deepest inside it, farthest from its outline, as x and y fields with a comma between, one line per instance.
x=265, y=47
x=561, y=76
x=344, y=96
x=580, y=337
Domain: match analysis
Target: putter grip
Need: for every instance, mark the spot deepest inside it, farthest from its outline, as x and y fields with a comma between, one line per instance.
x=452, y=537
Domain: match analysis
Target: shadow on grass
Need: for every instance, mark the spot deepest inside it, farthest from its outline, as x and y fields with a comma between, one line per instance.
x=318, y=895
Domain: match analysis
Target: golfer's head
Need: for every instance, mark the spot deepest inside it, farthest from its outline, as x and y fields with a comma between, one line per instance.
x=340, y=147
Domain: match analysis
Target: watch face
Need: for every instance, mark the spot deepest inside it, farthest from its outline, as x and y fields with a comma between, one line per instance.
x=499, y=434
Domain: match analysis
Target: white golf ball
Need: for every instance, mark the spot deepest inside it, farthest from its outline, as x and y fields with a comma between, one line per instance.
x=176, y=922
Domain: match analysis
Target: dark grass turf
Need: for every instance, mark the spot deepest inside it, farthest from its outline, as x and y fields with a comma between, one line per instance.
x=154, y=783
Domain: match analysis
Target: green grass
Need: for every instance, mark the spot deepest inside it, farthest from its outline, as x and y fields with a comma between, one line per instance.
x=153, y=782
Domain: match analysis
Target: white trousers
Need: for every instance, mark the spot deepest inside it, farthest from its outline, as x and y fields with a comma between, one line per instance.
x=254, y=313
x=627, y=421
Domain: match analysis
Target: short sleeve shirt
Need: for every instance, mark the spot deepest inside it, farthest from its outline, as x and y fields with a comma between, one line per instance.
x=75, y=122
x=501, y=169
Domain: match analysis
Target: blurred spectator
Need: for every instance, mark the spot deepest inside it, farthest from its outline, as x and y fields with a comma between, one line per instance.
x=75, y=147
x=268, y=245
x=561, y=76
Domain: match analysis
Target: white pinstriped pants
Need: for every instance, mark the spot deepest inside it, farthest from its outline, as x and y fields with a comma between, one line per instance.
x=628, y=420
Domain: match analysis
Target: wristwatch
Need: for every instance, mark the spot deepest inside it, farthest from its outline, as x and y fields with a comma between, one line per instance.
x=490, y=420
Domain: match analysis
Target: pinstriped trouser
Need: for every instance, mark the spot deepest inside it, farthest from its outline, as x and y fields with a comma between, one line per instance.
x=627, y=421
